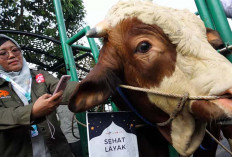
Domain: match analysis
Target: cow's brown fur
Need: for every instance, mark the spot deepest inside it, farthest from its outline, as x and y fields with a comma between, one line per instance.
x=214, y=39
x=149, y=68
x=203, y=107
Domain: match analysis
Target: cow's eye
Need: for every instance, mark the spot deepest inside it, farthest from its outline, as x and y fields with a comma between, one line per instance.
x=143, y=47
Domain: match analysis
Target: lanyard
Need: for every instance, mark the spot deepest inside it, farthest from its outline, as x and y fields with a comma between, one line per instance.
x=26, y=94
x=34, y=131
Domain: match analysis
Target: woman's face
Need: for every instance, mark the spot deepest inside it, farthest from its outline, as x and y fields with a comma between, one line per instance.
x=10, y=57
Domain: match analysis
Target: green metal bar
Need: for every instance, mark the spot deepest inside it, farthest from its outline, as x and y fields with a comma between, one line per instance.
x=93, y=46
x=83, y=133
x=71, y=69
x=67, y=51
x=82, y=48
x=221, y=23
x=204, y=13
x=172, y=151
x=77, y=36
x=220, y=20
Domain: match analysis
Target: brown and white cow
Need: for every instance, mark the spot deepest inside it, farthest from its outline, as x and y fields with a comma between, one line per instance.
x=164, y=49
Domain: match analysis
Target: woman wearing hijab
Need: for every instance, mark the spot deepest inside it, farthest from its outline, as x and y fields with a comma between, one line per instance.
x=28, y=124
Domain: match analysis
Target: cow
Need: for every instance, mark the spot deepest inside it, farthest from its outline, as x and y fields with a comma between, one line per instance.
x=161, y=49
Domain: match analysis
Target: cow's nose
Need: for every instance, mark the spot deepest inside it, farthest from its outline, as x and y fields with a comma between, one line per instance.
x=207, y=110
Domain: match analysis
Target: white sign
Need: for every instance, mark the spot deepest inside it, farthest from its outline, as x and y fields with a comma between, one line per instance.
x=111, y=140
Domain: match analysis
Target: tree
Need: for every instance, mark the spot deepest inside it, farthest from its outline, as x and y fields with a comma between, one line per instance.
x=38, y=16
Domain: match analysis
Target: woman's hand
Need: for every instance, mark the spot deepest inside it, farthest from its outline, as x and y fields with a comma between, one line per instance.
x=45, y=104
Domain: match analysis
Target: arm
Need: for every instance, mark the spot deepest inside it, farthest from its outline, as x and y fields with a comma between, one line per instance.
x=23, y=115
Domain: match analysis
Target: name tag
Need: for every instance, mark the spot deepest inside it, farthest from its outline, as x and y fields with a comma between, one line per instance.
x=34, y=132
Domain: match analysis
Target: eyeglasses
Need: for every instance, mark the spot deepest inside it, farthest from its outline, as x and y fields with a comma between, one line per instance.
x=5, y=54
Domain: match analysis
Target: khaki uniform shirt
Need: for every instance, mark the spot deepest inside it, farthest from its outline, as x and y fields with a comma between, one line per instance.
x=15, y=123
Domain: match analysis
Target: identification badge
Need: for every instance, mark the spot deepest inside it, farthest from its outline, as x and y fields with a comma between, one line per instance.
x=34, y=132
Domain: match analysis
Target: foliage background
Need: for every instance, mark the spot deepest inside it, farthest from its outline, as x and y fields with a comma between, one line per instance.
x=38, y=17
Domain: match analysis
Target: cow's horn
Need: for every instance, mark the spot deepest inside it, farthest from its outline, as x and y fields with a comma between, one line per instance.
x=91, y=33
x=98, y=31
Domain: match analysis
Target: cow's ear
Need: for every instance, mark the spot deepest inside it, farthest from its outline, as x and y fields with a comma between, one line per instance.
x=214, y=39
x=94, y=90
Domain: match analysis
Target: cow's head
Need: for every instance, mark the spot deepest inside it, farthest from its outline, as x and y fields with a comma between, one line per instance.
x=164, y=49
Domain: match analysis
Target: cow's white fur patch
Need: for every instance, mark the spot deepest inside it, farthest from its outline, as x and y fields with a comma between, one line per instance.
x=187, y=133
x=196, y=58
x=178, y=25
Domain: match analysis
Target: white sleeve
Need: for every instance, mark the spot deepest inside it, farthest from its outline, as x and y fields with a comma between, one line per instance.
x=227, y=6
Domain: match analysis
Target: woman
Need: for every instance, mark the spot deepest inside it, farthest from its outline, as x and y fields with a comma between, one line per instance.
x=28, y=124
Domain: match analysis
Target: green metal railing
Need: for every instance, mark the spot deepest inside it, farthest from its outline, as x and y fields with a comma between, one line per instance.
x=70, y=64
x=67, y=50
x=220, y=20
x=204, y=13
x=213, y=16
x=93, y=47
x=67, y=44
